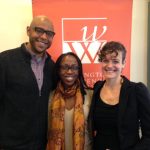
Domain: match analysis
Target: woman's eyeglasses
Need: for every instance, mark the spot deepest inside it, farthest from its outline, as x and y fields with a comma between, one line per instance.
x=67, y=67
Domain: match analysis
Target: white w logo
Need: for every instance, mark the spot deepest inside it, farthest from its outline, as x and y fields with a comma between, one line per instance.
x=93, y=35
x=87, y=47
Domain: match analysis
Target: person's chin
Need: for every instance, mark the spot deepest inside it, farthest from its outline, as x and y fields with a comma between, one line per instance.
x=41, y=50
x=110, y=76
x=69, y=84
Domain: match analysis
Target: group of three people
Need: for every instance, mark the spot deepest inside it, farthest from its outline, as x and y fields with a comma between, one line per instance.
x=47, y=105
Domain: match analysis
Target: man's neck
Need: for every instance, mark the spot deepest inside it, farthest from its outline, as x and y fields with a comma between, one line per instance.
x=28, y=48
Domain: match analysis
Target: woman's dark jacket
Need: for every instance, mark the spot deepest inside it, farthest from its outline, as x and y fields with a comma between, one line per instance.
x=134, y=109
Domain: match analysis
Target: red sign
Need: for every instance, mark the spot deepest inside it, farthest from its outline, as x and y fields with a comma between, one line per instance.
x=84, y=26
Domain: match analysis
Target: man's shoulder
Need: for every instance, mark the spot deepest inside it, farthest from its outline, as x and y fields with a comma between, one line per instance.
x=10, y=56
x=50, y=58
x=9, y=52
x=50, y=62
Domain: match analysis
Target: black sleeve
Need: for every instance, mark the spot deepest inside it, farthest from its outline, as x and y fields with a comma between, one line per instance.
x=143, y=99
x=2, y=78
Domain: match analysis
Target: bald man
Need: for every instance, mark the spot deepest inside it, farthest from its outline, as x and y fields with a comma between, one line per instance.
x=26, y=79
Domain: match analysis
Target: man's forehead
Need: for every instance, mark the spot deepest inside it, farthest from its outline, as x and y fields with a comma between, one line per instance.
x=42, y=22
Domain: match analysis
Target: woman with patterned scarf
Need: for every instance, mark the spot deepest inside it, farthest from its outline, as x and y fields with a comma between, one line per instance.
x=69, y=107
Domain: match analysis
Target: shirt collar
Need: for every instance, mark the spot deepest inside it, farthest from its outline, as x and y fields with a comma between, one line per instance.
x=34, y=57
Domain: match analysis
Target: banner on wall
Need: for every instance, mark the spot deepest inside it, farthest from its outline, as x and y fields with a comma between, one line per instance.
x=84, y=26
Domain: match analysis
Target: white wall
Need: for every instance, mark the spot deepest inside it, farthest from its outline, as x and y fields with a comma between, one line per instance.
x=15, y=15
x=138, y=70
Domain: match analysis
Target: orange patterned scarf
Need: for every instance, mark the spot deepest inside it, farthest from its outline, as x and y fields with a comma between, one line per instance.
x=56, y=136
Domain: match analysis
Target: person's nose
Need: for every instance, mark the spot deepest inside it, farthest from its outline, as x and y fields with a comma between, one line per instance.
x=44, y=36
x=109, y=64
x=70, y=70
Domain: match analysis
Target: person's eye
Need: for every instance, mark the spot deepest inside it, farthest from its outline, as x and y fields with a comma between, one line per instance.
x=105, y=61
x=50, y=34
x=75, y=67
x=115, y=61
x=40, y=31
x=64, y=67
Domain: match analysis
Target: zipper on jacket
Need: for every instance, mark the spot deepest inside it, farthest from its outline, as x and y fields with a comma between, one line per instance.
x=39, y=92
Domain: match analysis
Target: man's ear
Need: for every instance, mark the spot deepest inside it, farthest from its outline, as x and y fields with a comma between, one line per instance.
x=28, y=30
